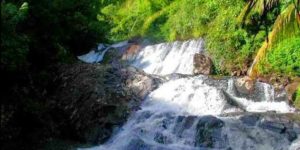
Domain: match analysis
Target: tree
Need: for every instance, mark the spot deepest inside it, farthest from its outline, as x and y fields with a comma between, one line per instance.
x=288, y=20
x=14, y=43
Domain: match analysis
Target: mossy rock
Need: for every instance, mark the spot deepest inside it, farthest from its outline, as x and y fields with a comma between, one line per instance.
x=296, y=98
x=111, y=55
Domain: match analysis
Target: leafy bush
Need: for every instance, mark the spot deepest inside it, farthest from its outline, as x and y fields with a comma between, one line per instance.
x=39, y=33
x=14, y=45
x=36, y=35
x=231, y=44
x=283, y=59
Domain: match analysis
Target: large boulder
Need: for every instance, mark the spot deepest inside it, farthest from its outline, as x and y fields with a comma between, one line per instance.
x=208, y=132
x=202, y=65
x=245, y=85
x=93, y=99
x=131, y=52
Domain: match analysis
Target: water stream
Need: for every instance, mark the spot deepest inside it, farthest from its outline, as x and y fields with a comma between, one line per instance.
x=189, y=113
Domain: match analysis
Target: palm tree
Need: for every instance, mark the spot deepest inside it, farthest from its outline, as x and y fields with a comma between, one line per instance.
x=288, y=20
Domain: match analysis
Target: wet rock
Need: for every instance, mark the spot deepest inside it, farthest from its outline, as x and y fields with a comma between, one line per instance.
x=140, y=83
x=281, y=124
x=208, y=132
x=162, y=139
x=138, y=144
x=183, y=123
x=250, y=120
x=245, y=85
x=233, y=101
x=111, y=55
x=94, y=98
x=291, y=135
x=202, y=65
x=291, y=89
x=131, y=52
x=178, y=128
x=143, y=116
x=280, y=95
x=272, y=126
x=189, y=121
x=166, y=123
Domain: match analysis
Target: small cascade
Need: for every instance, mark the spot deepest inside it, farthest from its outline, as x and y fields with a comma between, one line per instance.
x=167, y=58
x=97, y=55
x=263, y=99
x=197, y=112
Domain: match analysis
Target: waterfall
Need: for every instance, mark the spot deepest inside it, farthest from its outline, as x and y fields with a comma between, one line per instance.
x=192, y=112
x=167, y=58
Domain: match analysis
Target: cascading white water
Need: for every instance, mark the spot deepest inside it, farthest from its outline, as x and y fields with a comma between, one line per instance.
x=175, y=116
x=268, y=104
x=167, y=58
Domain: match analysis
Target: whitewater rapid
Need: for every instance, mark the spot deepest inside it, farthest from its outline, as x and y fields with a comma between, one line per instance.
x=175, y=115
x=168, y=58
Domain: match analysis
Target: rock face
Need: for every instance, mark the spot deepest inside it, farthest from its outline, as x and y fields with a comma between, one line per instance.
x=245, y=85
x=208, y=132
x=202, y=65
x=292, y=88
x=131, y=52
x=95, y=98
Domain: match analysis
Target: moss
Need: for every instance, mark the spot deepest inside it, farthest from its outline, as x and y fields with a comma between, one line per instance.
x=297, y=98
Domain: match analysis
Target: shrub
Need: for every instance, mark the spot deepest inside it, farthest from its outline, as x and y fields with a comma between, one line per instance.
x=283, y=59
x=14, y=44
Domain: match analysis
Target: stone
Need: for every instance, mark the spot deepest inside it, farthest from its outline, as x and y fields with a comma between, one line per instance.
x=250, y=120
x=178, y=128
x=291, y=135
x=291, y=89
x=189, y=121
x=202, y=65
x=162, y=139
x=93, y=99
x=208, y=132
x=183, y=123
x=272, y=126
x=131, y=52
x=234, y=101
x=245, y=85
x=138, y=144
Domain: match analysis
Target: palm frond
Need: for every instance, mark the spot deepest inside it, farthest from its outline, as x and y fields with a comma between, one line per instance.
x=155, y=16
x=260, y=6
x=284, y=22
x=245, y=11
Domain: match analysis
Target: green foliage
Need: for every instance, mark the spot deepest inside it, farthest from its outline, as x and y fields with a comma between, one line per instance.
x=160, y=19
x=39, y=33
x=14, y=45
x=226, y=41
x=234, y=29
x=297, y=98
x=283, y=59
x=35, y=36
x=184, y=19
x=71, y=25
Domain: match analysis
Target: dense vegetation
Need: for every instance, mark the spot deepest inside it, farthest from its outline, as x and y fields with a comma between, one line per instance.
x=38, y=34
x=288, y=49
x=43, y=31
x=234, y=29
x=35, y=36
